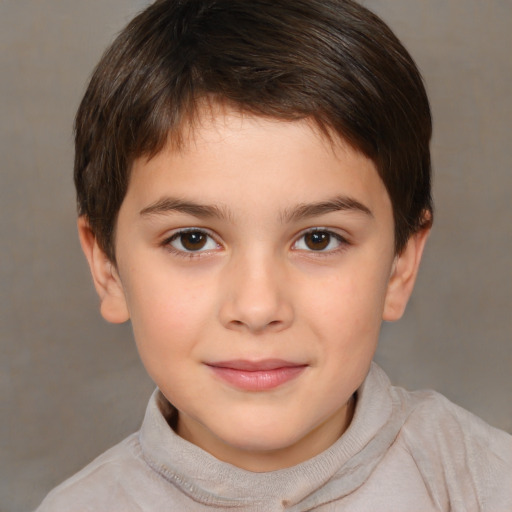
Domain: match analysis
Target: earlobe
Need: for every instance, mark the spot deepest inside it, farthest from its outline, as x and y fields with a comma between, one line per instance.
x=105, y=276
x=403, y=276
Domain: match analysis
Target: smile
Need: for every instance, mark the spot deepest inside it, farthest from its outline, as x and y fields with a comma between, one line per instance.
x=257, y=376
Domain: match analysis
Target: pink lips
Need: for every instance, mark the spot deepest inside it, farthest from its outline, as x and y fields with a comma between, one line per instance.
x=257, y=375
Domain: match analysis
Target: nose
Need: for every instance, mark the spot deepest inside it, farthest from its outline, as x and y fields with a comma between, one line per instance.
x=256, y=296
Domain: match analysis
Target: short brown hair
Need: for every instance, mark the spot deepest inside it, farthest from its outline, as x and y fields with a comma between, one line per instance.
x=332, y=61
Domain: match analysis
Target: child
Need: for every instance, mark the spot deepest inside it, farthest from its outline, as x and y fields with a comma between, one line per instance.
x=253, y=183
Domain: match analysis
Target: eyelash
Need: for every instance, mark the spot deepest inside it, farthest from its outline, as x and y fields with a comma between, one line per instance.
x=189, y=254
x=167, y=243
x=343, y=243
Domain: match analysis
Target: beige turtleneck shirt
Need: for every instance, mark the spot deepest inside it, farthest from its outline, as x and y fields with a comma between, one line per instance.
x=403, y=452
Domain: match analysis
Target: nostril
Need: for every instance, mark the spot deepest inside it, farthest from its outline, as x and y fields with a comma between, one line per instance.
x=240, y=324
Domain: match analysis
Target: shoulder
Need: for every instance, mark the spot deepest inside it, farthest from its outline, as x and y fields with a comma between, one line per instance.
x=458, y=454
x=105, y=480
x=432, y=416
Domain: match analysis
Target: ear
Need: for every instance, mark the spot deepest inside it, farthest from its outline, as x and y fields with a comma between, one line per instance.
x=403, y=276
x=105, y=276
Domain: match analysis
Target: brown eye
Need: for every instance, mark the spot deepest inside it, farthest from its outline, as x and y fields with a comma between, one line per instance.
x=317, y=240
x=192, y=241
x=320, y=240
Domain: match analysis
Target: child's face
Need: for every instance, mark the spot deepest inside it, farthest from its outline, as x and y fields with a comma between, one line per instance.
x=256, y=266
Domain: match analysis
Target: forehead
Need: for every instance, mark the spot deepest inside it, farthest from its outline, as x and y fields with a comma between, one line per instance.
x=227, y=157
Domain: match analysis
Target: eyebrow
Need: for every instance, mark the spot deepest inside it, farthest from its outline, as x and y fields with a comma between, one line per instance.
x=169, y=205
x=336, y=204
x=301, y=211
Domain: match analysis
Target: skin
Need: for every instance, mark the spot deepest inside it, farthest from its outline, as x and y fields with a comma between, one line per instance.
x=257, y=285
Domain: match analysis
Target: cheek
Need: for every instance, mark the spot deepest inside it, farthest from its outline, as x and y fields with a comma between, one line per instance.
x=167, y=314
x=350, y=302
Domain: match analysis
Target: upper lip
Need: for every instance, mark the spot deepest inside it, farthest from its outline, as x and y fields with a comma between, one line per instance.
x=255, y=366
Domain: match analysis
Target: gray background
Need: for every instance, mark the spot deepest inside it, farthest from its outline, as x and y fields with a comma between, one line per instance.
x=71, y=385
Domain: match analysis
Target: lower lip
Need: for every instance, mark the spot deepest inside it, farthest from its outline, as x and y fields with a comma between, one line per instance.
x=258, y=380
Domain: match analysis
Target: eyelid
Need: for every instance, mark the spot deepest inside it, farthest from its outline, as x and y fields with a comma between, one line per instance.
x=175, y=234
x=342, y=239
